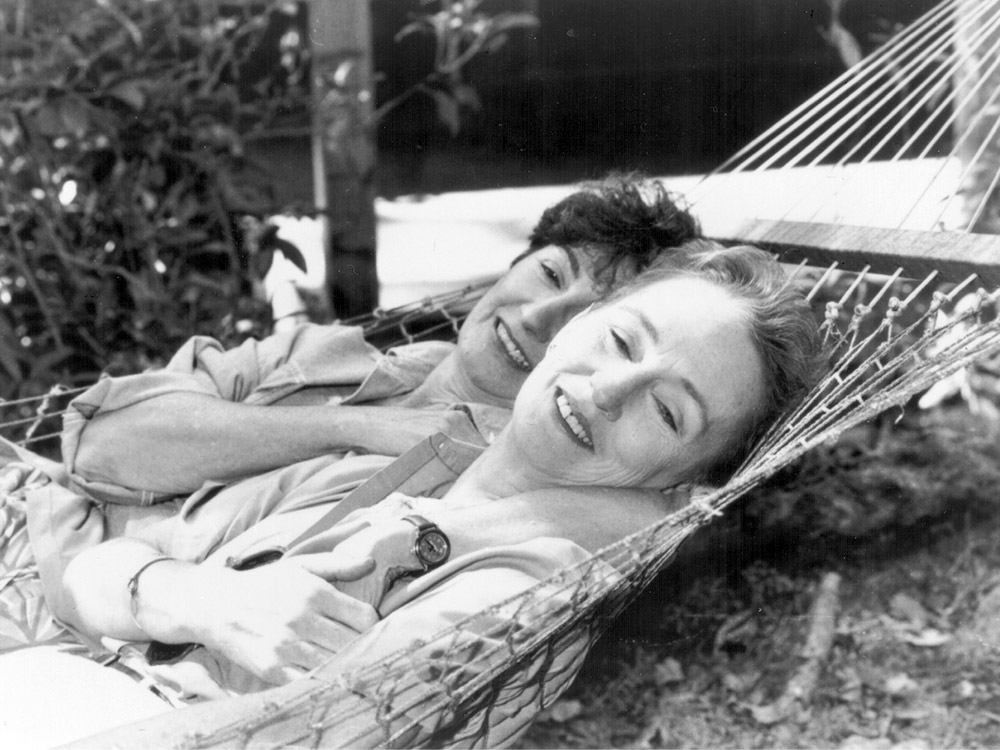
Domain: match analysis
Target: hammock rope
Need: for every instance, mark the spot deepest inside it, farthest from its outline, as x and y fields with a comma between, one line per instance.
x=915, y=87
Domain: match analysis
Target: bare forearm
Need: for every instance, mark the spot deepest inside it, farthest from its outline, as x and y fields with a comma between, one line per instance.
x=97, y=589
x=174, y=443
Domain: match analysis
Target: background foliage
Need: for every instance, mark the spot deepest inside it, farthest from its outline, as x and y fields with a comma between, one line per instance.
x=123, y=180
x=131, y=215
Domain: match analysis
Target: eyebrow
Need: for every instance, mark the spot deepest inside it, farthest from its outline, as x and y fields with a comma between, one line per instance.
x=686, y=384
x=574, y=262
x=647, y=325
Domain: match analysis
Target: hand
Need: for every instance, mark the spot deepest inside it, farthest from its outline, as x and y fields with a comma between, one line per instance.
x=397, y=429
x=281, y=620
x=388, y=543
x=17, y=476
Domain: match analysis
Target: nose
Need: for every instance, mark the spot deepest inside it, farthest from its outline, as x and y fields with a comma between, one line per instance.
x=542, y=319
x=612, y=386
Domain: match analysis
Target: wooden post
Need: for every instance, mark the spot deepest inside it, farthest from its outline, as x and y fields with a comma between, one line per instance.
x=977, y=115
x=344, y=149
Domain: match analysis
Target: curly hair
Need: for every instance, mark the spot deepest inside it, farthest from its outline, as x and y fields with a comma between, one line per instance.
x=780, y=324
x=624, y=222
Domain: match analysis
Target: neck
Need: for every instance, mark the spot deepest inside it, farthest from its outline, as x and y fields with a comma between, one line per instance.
x=448, y=383
x=499, y=472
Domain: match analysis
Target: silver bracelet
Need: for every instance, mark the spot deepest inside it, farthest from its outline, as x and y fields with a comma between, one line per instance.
x=133, y=590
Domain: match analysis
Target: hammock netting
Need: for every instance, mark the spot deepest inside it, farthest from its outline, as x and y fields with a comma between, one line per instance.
x=891, y=334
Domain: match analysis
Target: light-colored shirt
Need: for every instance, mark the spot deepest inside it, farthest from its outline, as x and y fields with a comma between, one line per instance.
x=475, y=591
x=312, y=364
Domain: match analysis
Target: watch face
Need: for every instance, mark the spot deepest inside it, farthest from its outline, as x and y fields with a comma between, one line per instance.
x=433, y=547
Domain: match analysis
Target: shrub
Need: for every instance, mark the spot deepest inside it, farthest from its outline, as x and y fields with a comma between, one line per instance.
x=125, y=192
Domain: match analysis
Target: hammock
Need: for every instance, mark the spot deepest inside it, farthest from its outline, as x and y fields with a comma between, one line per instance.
x=890, y=339
x=33, y=419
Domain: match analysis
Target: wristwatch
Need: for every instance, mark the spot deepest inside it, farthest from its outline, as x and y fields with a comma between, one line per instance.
x=431, y=546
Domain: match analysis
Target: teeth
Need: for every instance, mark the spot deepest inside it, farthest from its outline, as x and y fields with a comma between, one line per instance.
x=512, y=348
x=571, y=420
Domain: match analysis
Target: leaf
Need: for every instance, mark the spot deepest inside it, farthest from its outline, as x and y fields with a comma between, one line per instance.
x=508, y=21
x=927, y=638
x=75, y=115
x=414, y=27
x=466, y=96
x=901, y=685
x=48, y=120
x=768, y=714
x=565, y=710
x=668, y=672
x=131, y=93
x=447, y=110
x=292, y=254
x=904, y=607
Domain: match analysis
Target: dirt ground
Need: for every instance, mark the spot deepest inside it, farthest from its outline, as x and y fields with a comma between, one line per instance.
x=900, y=522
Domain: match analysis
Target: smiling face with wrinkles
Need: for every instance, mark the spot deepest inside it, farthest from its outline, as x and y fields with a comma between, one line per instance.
x=643, y=391
x=509, y=329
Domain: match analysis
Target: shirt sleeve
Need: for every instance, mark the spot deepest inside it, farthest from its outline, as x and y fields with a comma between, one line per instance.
x=272, y=366
x=468, y=626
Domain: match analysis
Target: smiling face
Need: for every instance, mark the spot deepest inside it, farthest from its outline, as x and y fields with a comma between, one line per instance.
x=509, y=329
x=643, y=391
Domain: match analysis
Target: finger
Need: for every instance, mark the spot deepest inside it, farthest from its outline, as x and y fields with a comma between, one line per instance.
x=12, y=476
x=328, y=637
x=331, y=566
x=345, y=610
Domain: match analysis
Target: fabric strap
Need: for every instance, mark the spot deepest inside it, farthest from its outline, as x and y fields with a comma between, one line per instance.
x=413, y=472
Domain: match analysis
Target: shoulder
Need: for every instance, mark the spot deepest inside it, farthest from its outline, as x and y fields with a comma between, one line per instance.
x=426, y=352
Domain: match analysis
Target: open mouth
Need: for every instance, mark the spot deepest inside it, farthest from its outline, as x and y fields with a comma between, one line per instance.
x=516, y=354
x=575, y=424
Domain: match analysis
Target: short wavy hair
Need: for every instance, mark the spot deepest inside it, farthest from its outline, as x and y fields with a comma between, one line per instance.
x=625, y=222
x=781, y=325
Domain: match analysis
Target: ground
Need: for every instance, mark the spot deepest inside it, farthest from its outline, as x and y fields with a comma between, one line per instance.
x=904, y=513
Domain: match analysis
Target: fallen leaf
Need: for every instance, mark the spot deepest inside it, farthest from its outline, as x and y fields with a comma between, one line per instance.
x=669, y=672
x=735, y=682
x=563, y=711
x=965, y=689
x=768, y=714
x=905, y=607
x=928, y=638
x=901, y=685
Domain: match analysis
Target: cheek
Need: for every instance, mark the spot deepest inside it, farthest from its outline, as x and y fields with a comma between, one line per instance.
x=637, y=457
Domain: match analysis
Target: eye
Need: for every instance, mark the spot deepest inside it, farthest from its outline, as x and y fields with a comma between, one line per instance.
x=552, y=275
x=621, y=344
x=665, y=414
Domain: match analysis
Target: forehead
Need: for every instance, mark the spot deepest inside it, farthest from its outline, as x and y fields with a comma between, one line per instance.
x=686, y=306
